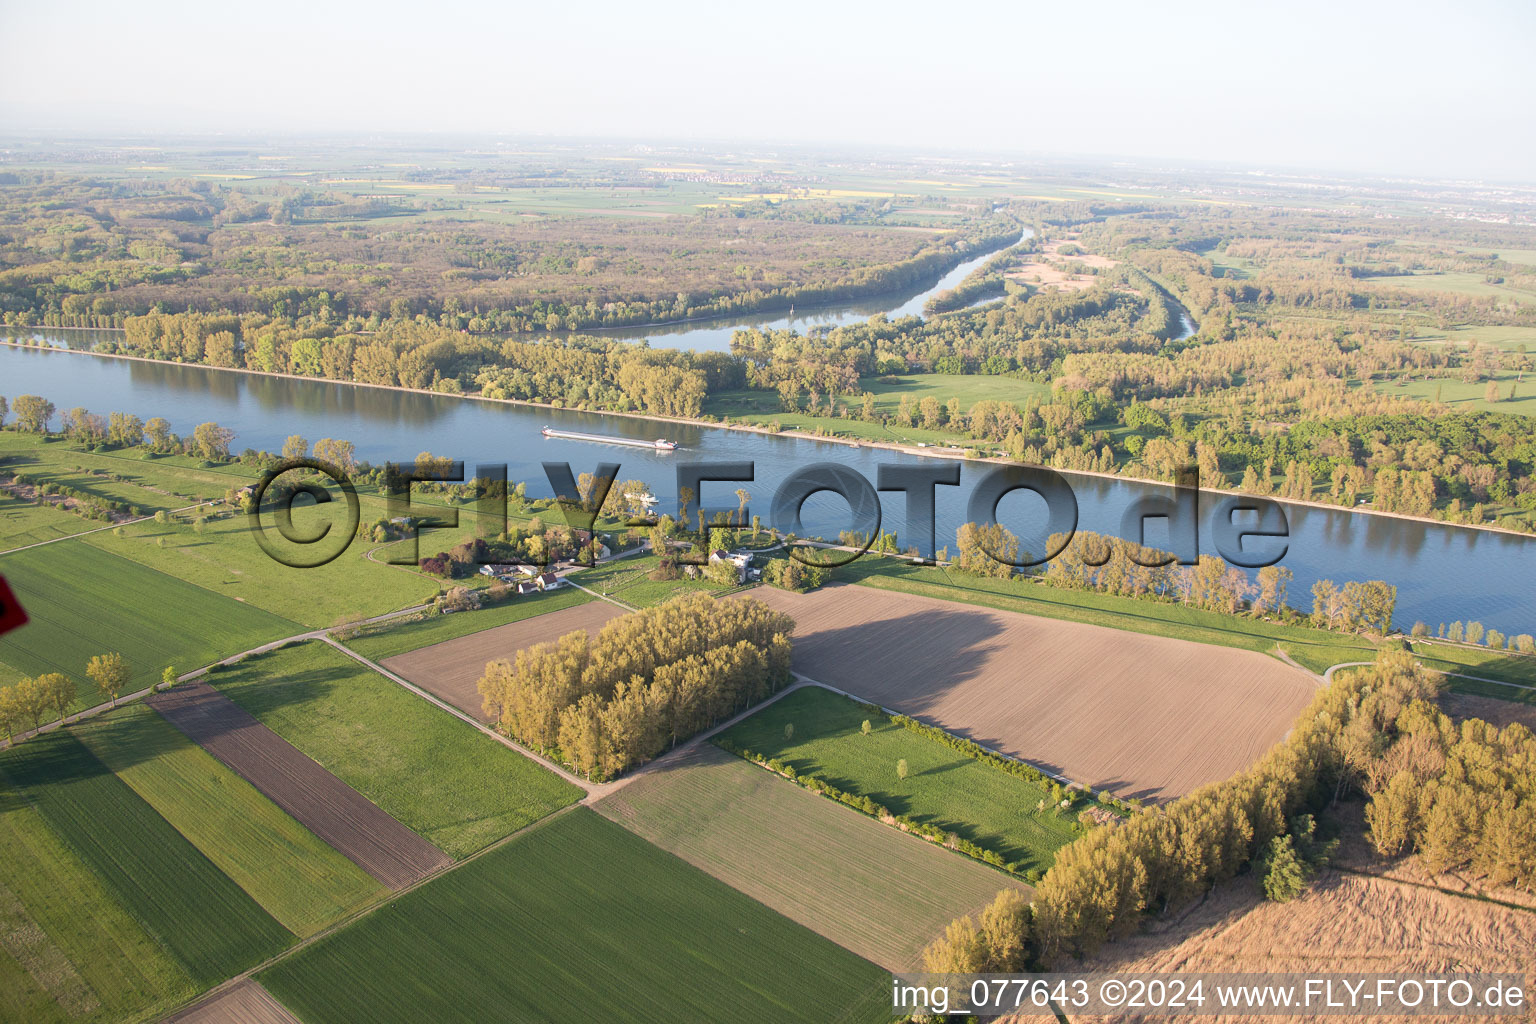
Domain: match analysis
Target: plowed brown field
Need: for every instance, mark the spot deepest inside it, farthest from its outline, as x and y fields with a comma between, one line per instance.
x=1135, y=714
x=245, y=1002
x=320, y=801
x=450, y=670
x=1347, y=923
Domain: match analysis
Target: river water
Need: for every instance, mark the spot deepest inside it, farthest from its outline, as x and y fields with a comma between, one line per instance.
x=1442, y=572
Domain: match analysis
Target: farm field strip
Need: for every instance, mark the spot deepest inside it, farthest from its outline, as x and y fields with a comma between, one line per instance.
x=244, y=1002
x=454, y=786
x=1141, y=716
x=84, y=601
x=126, y=970
x=577, y=920
x=867, y=887
x=451, y=670
x=945, y=788
x=299, y=879
x=328, y=807
x=208, y=924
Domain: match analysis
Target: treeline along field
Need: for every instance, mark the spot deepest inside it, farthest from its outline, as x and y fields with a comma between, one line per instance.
x=1002, y=817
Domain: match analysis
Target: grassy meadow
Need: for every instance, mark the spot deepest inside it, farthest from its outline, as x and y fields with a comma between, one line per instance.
x=1464, y=397
x=764, y=408
x=818, y=733
x=628, y=580
x=456, y=787
x=84, y=601
x=95, y=961
x=577, y=920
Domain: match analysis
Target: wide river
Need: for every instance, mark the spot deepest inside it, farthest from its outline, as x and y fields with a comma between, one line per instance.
x=1443, y=573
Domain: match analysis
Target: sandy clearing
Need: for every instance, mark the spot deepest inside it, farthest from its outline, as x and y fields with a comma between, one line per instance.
x=328, y=807
x=868, y=887
x=244, y=1002
x=450, y=670
x=1139, y=715
x=1346, y=923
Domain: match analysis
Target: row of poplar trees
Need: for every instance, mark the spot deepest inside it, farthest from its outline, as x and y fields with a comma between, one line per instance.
x=646, y=681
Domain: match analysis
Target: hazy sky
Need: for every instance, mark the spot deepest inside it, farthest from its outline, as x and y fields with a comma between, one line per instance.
x=1404, y=87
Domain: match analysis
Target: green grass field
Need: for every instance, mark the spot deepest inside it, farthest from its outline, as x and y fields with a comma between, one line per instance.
x=207, y=923
x=456, y=787
x=390, y=639
x=1462, y=397
x=155, y=481
x=1453, y=282
x=763, y=407
x=577, y=921
x=628, y=580
x=1476, y=661
x=1504, y=338
x=869, y=888
x=96, y=962
x=84, y=601
x=226, y=560
x=1316, y=649
x=22, y=522
x=944, y=788
x=296, y=877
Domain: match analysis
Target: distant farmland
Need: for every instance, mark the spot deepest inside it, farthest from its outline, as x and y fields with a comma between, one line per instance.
x=863, y=885
x=573, y=922
x=1136, y=714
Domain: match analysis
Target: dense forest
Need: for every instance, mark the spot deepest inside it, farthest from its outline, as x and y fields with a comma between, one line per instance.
x=90, y=252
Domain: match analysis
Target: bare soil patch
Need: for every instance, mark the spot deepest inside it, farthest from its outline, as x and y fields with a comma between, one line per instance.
x=245, y=1002
x=452, y=669
x=1138, y=715
x=328, y=807
x=1500, y=712
x=1345, y=923
x=865, y=886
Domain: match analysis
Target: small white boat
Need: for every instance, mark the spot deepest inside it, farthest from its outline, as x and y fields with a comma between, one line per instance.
x=660, y=444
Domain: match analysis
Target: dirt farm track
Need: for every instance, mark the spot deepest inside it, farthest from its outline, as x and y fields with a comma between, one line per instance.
x=1139, y=715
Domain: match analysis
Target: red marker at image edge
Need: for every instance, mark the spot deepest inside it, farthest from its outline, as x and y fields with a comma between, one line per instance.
x=11, y=614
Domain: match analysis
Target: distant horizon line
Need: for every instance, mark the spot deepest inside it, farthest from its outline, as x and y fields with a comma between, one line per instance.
x=917, y=152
